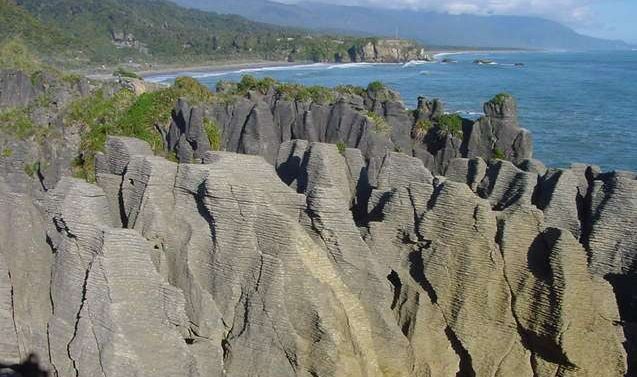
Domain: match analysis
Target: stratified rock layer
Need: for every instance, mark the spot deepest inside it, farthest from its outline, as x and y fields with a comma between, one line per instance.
x=374, y=121
x=315, y=260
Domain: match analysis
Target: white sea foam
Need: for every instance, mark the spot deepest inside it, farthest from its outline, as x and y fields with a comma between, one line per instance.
x=442, y=54
x=416, y=62
x=352, y=65
x=217, y=73
x=282, y=68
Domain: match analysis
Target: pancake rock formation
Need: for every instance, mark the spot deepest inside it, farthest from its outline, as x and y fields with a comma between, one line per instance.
x=334, y=238
x=316, y=267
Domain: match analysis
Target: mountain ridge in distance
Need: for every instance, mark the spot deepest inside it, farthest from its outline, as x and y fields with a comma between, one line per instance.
x=431, y=28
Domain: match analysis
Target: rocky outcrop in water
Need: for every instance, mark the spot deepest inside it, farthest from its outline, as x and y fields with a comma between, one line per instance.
x=387, y=51
x=319, y=266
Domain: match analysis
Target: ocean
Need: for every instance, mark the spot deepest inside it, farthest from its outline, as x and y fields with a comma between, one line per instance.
x=579, y=106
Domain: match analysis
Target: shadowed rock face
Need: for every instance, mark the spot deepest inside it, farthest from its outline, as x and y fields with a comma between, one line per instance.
x=324, y=264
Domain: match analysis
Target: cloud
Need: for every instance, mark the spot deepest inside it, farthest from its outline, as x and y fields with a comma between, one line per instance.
x=572, y=12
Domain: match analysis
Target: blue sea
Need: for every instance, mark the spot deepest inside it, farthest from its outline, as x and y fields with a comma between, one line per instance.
x=579, y=106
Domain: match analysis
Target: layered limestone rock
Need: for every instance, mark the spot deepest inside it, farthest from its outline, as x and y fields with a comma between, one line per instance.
x=318, y=260
x=374, y=121
x=498, y=134
x=387, y=51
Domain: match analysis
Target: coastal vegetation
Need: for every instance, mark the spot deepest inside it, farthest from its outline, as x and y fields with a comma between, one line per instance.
x=500, y=98
x=498, y=154
x=142, y=33
x=450, y=124
x=379, y=123
x=214, y=134
x=421, y=128
x=125, y=114
x=122, y=72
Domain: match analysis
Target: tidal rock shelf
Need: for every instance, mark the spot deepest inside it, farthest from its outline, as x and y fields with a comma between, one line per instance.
x=314, y=267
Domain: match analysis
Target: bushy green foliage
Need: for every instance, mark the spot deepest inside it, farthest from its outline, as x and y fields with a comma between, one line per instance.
x=78, y=32
x=341, y=147
x=14, y=54
x=213, y=133
x=98, y=116
x=421, y=128
x=32, y=169
x=500, y=98
x=318, y=94
x=17, y=122
x=191, y=89
x=350, y=90
x=125, y=114
x=126, y=73
x=498, y=154
x=450, y=124
x=19, y=28
x=375, y=86
x=380, y=124
x=251, y=83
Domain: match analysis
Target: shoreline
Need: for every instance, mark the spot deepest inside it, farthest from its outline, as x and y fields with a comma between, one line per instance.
x=228, y=67
x=221, y=67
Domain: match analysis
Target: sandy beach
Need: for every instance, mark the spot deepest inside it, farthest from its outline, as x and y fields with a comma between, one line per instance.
x=222, y=66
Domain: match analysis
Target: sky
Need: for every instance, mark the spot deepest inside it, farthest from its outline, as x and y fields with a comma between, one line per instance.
x=613, y=19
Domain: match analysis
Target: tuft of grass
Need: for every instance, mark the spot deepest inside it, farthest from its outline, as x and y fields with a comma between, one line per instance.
x=380, y=124
x=191, y=89
x=71, y=78
x=250, y=83
x=450, y=124
x=213, y=133
x=500, y=98
x=14, y=54
x=318, y=94
x=126, y=73
x=7, y=152
x=421, y=128
x=124, y=114
x=16, y=121
x=498, y=154
x=341, y=147
x=32, y=169
x=375, y=86
x=97, y=116
x=350, y=90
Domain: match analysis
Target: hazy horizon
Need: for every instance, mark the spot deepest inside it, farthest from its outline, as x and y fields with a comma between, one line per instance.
x=608, y=19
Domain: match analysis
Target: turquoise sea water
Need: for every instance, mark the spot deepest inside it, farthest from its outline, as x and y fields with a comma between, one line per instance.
x=580, y=107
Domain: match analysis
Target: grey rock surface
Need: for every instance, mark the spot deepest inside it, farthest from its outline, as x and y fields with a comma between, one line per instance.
x=295, y=257
x=258, y=123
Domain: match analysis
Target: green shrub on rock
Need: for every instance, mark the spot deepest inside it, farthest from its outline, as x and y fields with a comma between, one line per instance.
x=126, y=73
x=375, y=86
x=350, y=90
x=341, y=147
x=380, y=124
x=32, y=169
x=297, y=92
x=450, y=124
x=213, y=133
x=498, y=154
x=420, y=129
x=500, y=98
